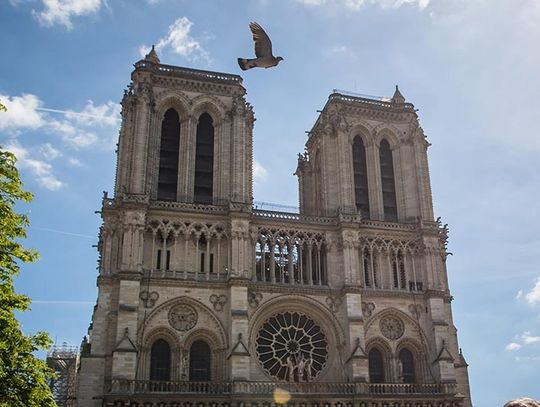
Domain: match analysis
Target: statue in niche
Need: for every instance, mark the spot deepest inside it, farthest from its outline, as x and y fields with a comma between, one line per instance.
x=301, y=368
x=290, y=368
x=400, y=371
x=309, y=363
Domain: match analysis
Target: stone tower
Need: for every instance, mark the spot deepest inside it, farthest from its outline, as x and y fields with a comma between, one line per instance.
x=205, y=301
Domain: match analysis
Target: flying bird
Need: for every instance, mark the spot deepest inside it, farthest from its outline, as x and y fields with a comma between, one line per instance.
x=263, y=50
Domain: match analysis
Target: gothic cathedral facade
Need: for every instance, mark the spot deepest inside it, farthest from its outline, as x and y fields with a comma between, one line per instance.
x=206, y=301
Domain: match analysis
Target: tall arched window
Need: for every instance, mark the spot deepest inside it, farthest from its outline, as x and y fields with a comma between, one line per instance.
x=204, y=160
x=199, y=362
x=168, y=156
x=376, y=366
x=387, y=181
x=407, y=363
x=160, y=361
x=361, y=194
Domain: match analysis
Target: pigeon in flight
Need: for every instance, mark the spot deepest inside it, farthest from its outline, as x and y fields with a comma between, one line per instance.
x=263, y=50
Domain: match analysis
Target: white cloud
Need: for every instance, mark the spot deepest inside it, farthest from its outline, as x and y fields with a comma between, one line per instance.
x=528, y=338
x=49, y=152
x=513, y=346
x=358, y=4
x=533, y=296
x=43, y=171
x=21, y=112
x=260, y=174
x=62, y=11
x=180, y=41
x=94, y=125
x=74, y=162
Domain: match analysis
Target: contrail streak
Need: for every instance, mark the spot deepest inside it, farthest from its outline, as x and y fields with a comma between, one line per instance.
x=65, y=302
x=95, y=116
x=63, y=232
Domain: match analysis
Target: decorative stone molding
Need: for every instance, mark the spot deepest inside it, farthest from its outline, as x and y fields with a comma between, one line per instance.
x=416, y=310
x=218, y=301
x=183, y=317
x=254, y=299
x=149, y=299
x=367, y=309
x=333, y=303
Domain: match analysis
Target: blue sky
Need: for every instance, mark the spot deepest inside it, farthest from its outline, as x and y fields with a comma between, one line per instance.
x=470, y=67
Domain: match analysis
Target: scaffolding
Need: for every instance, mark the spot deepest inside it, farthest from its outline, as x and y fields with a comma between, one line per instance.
x=64, y=360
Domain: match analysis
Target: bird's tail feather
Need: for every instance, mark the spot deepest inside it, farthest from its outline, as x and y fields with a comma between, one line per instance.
x=243, y=63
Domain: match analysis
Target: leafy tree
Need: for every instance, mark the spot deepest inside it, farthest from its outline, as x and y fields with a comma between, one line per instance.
x=23, y=376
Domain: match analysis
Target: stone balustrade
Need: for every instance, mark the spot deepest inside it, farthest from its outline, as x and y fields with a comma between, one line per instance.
x=123, y=386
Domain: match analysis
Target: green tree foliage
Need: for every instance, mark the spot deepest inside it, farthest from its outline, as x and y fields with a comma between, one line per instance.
x=23, y=376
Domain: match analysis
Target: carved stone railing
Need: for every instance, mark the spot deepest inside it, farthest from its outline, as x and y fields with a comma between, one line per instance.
x=123, y=386
x=190, y=73
x=187, y=275
x=293, y=217
x=377, y=103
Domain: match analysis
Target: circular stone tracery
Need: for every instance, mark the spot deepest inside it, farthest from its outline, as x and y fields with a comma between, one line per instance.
x=291, y=346
x=183, y=317
x=391, y=327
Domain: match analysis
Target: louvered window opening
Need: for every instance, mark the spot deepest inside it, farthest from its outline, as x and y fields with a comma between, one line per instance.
x=204, y=160
x=360, y=177
x=168, y=156
x=388, y=182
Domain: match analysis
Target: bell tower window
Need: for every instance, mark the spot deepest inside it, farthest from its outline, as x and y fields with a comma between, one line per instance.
x=360, y=177
x=387, y=181
x=204, y=160
x=168, y=156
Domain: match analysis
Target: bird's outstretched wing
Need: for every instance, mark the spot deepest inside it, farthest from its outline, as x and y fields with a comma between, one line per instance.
x=263, y=45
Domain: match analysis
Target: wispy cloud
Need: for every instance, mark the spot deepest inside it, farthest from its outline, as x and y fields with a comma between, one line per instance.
x=533, y=296
x=180, y=41
x=358, y=4
x=62, y=11
x=91, y=126
x=513, y=346
x=526, y=338
x=42, y=170
x=94, y=126
x=260, y=174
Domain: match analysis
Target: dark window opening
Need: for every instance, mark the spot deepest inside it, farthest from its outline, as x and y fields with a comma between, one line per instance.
x=168, y=156
x=360, y=177
x=367, y=268
x=167, y=260
x=160, y=361
x=407, y=363
x=202, y=263
x=388, y=181
x=199, y=363
x=376, y=366
x=204, y=160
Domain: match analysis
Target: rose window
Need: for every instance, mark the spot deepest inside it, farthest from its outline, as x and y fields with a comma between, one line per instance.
x=291, y=346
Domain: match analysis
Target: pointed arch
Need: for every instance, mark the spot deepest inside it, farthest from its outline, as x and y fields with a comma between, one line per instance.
x=204, y=160
x=169, y=151
x=361, y=192
x=388, y=182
